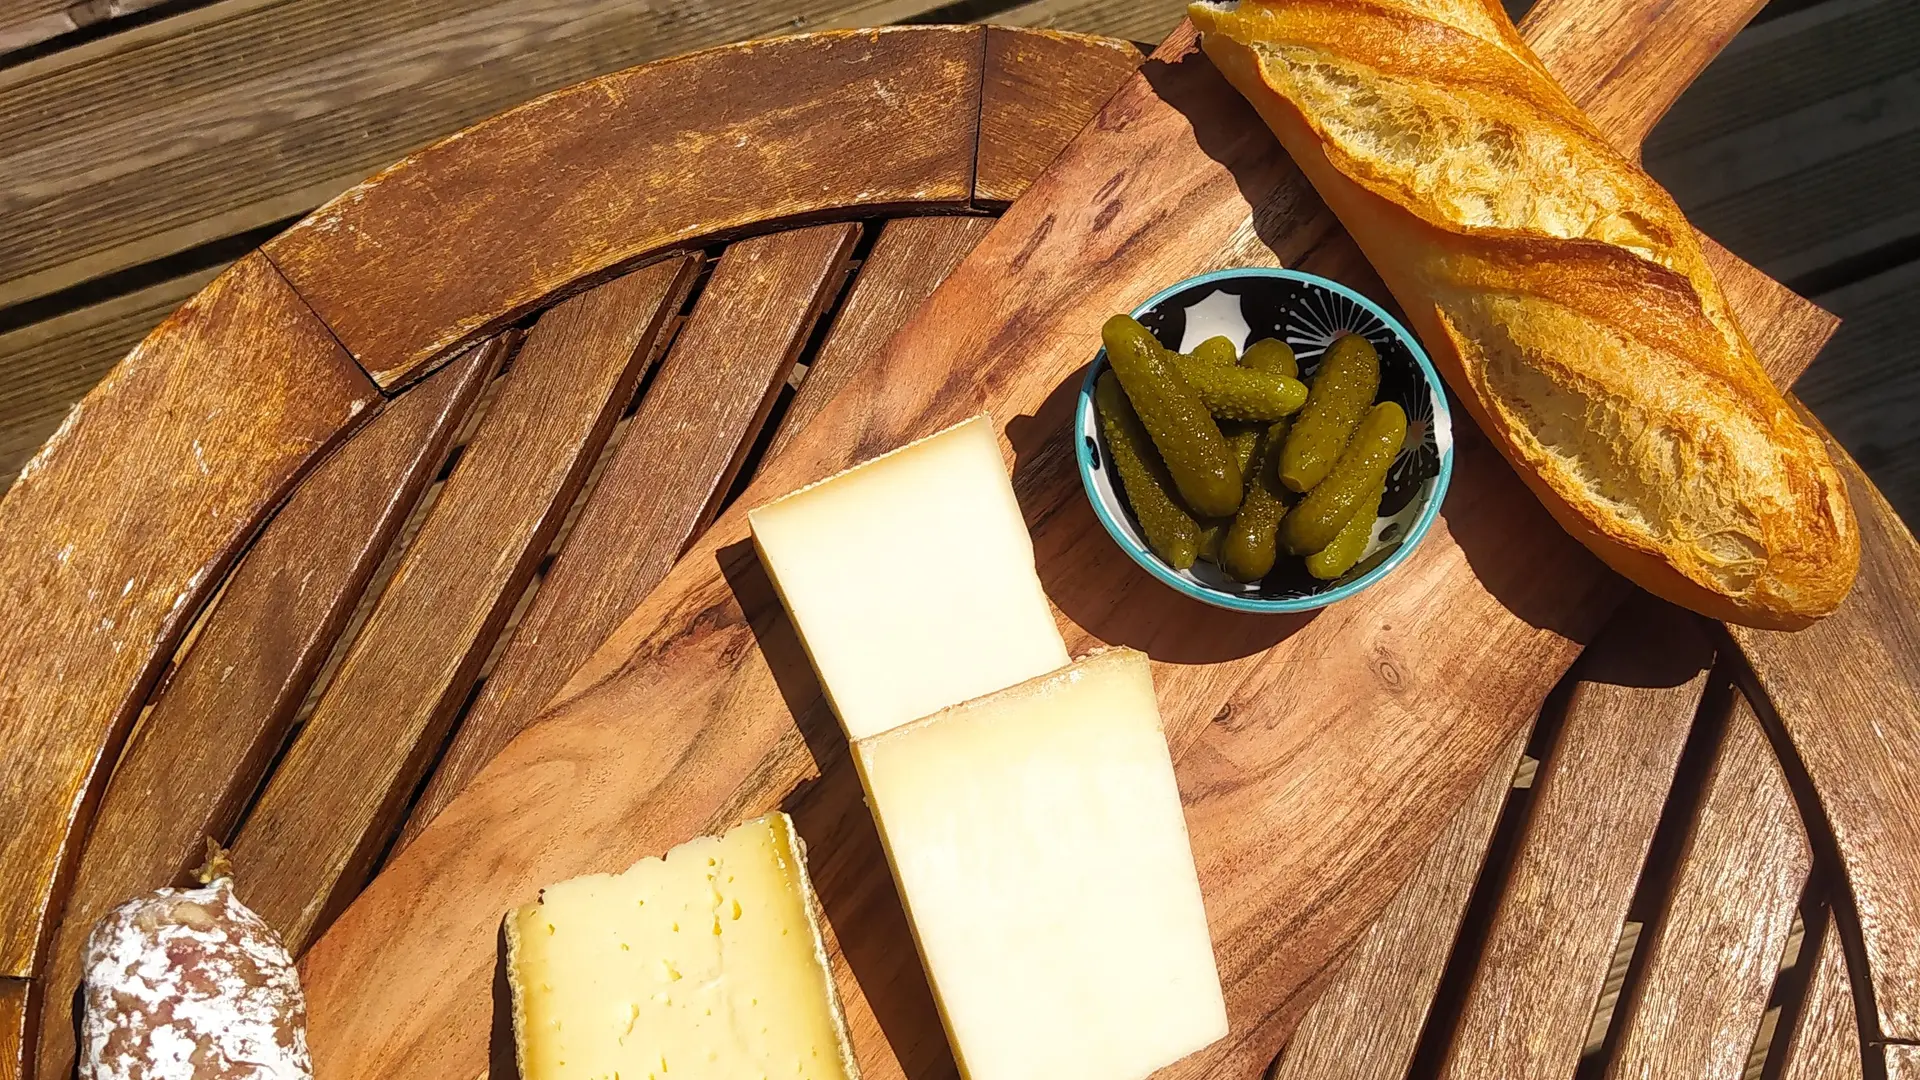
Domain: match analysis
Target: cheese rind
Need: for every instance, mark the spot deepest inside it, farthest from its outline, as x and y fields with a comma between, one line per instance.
x=1042, y=854
x=910, y=579
x=708, y=962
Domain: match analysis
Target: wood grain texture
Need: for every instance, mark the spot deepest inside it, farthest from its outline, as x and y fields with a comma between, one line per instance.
x=1626, y=63
x=331, y=806
x=201, y=751
x=1039, y=88
x=1367, y=1023
x=52, y=364
x=1597, y=799
x=1713, y=953
x=909, y=259
x=1847, y=693
x=118, y=530
x=663, y=484
x=1861, y=388
x=1903, y=1061
x=239, y=114
x=701, y=708
x=576, y=184
x=16, y=1027
x=30, y=22
x=1824, y=1043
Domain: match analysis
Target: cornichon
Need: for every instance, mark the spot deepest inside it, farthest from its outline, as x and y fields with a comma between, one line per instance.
x=1238, y=393
x=1171, y=531
x=1217, y=349
x=1190, y=444
x=1350, y=543
x=1244, y=439
x=1348, y=378
x=1363, y=467
x=1272, y=356
x=1247, y=550
x=1211, y=530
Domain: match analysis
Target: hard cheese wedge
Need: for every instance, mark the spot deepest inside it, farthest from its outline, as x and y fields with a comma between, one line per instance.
x=910, y=579
x=707, y=963
x=1039, y=844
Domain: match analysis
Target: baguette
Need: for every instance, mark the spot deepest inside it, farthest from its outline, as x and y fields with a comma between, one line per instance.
x=1560, y=291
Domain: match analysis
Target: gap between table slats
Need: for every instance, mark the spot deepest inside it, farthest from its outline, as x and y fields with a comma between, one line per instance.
x=1597, y=800
x=223, y=712
x=661, y=486
x=327, y=812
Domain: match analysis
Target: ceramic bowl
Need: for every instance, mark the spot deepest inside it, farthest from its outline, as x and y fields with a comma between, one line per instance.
x=1307, y=312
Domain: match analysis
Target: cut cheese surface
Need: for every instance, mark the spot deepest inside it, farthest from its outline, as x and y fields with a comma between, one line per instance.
x=1040, y=848
x=910, y=579
x=707, y=963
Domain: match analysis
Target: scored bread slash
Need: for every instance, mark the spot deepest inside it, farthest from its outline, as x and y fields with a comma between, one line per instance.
x=190, y=984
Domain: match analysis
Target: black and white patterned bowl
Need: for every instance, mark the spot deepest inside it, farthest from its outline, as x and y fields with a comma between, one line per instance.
x=1307, y=312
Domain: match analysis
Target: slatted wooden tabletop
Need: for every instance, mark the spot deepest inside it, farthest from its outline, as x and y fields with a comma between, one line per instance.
x=143, y=146
x=1697, y=863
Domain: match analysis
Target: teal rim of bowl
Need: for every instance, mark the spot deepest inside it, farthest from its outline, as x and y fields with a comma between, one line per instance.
x=1156, y=566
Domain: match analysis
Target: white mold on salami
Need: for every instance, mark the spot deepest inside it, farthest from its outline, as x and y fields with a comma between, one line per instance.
x=190, y=984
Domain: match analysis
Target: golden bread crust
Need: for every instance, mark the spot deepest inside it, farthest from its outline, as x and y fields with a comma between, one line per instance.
x=1560, y=291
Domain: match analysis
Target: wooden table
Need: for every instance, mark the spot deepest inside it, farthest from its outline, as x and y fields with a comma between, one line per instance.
x=349, y=520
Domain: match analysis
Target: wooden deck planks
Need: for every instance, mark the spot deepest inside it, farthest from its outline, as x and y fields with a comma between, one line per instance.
x=1598, y=797
x=1824, y=1042
x=1367, y=1023
x=1713, y=953
x=201, y=751
x=312, y=838
x=17, y=1017
x=210, y=421
x=1865, y=386
x=663, y=483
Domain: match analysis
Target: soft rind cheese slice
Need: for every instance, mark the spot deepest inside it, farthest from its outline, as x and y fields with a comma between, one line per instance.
x=1039, y=844
x=910, y=579
x=707, y=963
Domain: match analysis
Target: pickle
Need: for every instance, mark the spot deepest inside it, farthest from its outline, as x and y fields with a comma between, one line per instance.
x=1272, y=356
x=1216, y=350
x=1344, y=386
x=1237, y=393
x=1190, y=444
x=1247, y=550
x=1243, y=439
x=1171, y=531
x=1362, y=467
x=1350, y=543
x=1211, y=530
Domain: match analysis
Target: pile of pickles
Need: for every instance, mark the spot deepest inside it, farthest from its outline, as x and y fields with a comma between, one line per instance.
x=1232, y=459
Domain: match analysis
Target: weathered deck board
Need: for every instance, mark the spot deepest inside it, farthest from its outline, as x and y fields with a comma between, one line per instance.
x=1865, y=386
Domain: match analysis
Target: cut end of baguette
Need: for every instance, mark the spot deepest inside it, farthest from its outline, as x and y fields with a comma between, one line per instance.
x=1559, y=291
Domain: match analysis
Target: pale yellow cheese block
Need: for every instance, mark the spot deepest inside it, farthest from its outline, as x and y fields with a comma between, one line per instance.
x=1040, y=847
x=707, y=963
x=910, y=579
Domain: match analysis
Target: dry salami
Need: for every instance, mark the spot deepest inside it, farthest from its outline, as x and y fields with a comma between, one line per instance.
x=190, y=984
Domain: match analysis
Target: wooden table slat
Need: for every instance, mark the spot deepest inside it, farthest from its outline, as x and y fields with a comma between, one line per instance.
x=201, y=751
x=909, y=259
x=1367, y=1023
x=663, y=483
x=1824, y=1043
x=438, y=248
x=1598, y=797
x=52, y=364
x=1903, y=1061
x=331, y=806
x=16, y=1026
x=1847, y=693
x=1714, y=952
x=118, y=531
x=1038, y=90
